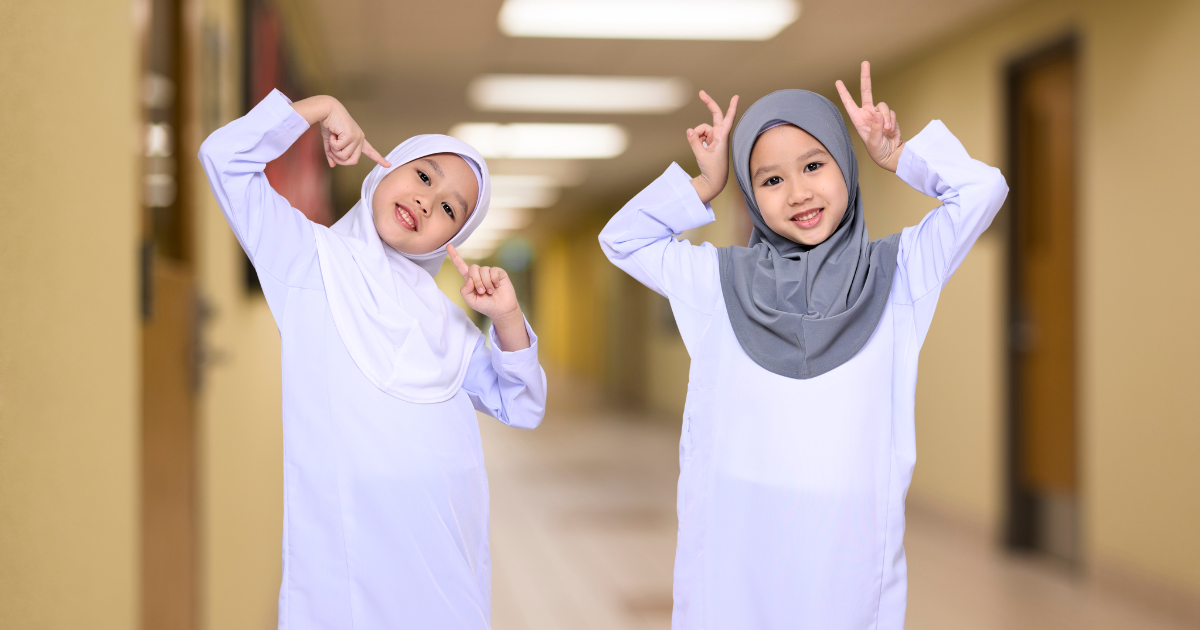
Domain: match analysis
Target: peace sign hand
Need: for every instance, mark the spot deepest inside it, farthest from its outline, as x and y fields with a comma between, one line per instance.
x=876, y=124
x=710, y=144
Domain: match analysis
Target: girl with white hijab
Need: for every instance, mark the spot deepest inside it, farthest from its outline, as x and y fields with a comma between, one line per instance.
x=798, y=435
x=385, y=491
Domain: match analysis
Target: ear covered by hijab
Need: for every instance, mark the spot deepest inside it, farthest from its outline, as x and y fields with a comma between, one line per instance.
x=403, y=333
x=802, y=311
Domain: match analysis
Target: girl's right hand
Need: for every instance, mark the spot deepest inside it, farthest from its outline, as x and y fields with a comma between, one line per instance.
x=710, y=144
x=344, y=140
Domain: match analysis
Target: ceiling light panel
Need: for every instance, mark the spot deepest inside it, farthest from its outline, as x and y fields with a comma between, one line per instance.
x=576, y=93
x=648, y=19
x=544, y=140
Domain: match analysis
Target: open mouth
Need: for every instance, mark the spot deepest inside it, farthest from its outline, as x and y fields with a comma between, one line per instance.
x=406, y=217
x=808, y=218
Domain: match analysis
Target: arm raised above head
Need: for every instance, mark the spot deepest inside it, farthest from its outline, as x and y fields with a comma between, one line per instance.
x=936, y=163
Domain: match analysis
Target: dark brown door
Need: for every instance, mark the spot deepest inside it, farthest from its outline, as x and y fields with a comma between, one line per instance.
x=1043, y=303
x=169, y=331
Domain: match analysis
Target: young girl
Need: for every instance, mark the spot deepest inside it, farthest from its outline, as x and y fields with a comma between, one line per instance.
x=798, y=436
x=385, y=492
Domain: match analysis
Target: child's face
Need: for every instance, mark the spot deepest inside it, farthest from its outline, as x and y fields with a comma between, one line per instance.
x=422, y=204
x=797, y=184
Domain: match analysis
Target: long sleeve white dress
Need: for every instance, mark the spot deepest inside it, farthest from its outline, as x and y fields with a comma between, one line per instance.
x=791, y=492
x=385, y=501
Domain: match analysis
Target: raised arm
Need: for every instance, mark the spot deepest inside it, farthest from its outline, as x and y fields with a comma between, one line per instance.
x=935, y=163
x=640, y=238
x=277, y=238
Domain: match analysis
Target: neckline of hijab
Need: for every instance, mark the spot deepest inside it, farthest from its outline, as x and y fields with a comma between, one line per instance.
x=801, y=311
x=402, y=332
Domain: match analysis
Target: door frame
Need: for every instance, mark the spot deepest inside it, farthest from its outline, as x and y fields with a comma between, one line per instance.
x=1022, y=513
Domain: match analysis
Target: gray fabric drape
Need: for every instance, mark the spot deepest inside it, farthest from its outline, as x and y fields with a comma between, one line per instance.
x=802, y=311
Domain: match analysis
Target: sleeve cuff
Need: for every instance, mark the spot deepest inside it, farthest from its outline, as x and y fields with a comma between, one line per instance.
x=500, y=357
x=275, y=112
x=935, y=143
x=695, y=213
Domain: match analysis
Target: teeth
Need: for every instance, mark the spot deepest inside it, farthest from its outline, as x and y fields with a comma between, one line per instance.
x=808, y=216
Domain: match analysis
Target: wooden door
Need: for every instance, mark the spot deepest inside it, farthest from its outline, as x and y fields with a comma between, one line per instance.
x=1043, y=300
x=169, y=329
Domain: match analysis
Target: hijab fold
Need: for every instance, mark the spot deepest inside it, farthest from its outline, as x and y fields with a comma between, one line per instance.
x=801, y=311
x=405, y=335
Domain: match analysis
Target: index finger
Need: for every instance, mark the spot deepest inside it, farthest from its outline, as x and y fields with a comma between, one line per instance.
x=864, y=83
x=847, y=100
x=374, y=155
x=712, y=107
x=458, y=261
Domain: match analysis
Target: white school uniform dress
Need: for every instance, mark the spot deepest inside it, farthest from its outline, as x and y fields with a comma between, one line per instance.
x=791, y=492
x=385, y=501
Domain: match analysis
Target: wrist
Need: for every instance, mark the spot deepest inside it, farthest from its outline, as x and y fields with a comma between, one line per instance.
x=314, y=109
x=512, y=319
x=893, y=161
x=705, y=189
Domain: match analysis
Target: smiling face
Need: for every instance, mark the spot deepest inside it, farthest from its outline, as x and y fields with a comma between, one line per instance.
x=797, y=184
x=421, y=205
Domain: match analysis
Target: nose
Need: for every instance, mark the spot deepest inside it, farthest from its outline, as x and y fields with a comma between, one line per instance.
x=799, y=194
x=422, y=207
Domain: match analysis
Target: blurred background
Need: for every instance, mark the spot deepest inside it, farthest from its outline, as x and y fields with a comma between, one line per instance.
x=1058, y=411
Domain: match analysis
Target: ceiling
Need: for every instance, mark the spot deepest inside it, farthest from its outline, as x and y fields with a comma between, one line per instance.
x=402, y=68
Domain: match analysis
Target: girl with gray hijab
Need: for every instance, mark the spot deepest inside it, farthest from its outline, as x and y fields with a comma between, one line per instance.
x=797, y=447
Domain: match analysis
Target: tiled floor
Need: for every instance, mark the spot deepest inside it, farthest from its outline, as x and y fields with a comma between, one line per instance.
x=583, y=538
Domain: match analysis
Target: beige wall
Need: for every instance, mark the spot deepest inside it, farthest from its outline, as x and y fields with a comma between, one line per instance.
x=241, y=432
x=69, y=340
x=1140, y=410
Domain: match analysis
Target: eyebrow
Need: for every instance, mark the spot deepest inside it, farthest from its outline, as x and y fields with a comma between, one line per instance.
x=434, y=165
x=460, y=199
x=806, y=155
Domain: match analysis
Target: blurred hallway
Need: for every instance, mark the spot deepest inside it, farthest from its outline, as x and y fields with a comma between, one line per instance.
x=583, y=537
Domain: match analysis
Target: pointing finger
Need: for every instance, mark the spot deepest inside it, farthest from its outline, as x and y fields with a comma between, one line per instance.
x=864, y=83
x=374, y=155
x=459, y=263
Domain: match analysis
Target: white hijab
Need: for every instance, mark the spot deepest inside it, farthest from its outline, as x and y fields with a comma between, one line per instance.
x=405, y=335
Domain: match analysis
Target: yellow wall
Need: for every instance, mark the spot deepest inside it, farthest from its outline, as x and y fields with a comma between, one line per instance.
x=241, y=433
x=69, y=336
x=1140, y=410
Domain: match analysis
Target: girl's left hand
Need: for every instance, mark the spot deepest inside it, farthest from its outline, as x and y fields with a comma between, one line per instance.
x=488, y=289
x=876, y=124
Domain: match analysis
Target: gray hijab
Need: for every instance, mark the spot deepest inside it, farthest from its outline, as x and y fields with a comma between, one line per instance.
x=802, y=311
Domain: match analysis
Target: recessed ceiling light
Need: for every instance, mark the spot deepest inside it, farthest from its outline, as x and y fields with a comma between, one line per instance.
x=575, y=93
x=543, y=140
x=648, y=19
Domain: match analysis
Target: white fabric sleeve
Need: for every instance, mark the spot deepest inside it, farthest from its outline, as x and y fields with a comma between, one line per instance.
x=936, y=164
x=640, y=240
x=508, y=386
x=277, y=238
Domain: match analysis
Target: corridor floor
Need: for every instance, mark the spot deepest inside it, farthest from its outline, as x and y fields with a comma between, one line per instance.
x=583, y=538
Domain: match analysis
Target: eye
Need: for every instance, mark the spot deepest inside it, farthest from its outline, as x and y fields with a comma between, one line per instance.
x=771, y=181
x=423, y=176
x=448, y=209
x=812, y=167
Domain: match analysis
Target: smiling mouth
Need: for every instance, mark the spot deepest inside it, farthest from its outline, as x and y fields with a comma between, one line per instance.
x=808, y=218
x=406, y=217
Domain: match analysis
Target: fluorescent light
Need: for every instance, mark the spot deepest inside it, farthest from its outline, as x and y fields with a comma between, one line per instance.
x=543, y=140
x=575, y=93
x=523, y=191
x=648, y=19
x=504, y=219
